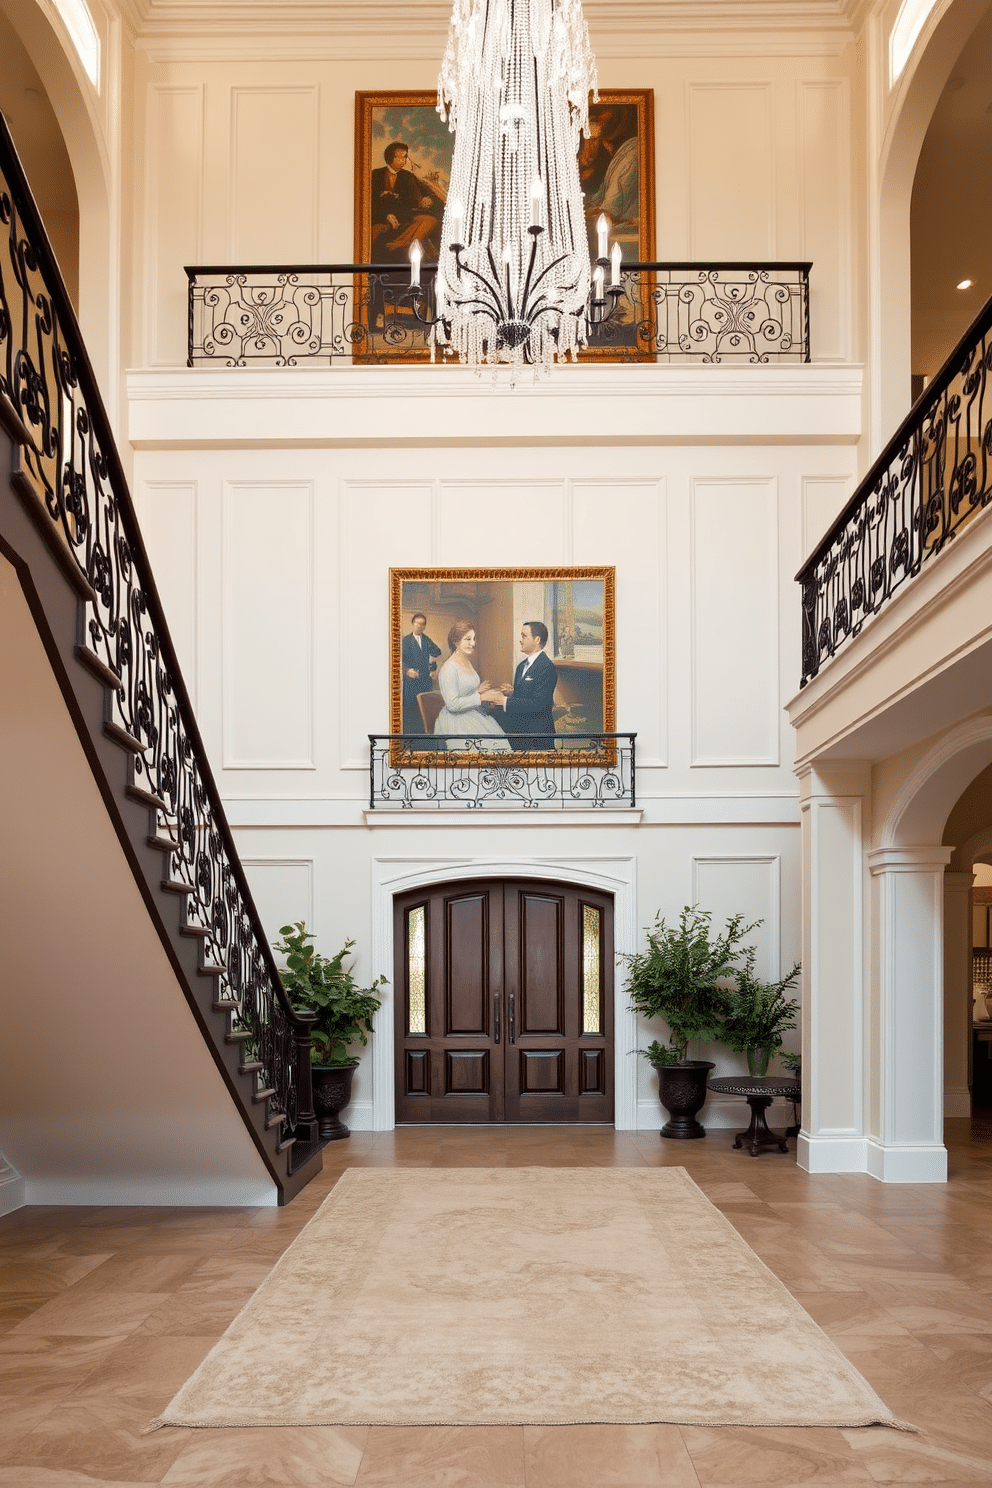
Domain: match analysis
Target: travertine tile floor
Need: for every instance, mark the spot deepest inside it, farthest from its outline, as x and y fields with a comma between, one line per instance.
x=105, y=1312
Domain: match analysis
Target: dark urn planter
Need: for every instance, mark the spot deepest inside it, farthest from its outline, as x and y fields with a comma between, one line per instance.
x=331, y=1093
x=682, y=1089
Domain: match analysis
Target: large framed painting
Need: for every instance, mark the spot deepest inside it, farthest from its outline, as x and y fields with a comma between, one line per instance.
x=512, y=661
x=403, y=155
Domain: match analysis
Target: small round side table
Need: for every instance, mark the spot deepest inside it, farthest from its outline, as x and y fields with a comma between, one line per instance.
x=759, y=1094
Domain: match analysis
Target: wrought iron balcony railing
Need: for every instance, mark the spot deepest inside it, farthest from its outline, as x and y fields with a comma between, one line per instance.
x=72, y=471
x=932, y=477
x=584, y=772
x=340, y=314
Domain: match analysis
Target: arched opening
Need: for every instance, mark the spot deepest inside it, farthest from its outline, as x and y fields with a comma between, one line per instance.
x=909, y=110
x=921, y=994
x=968, y=962
x=32, y=122
x=74, y=105
x=951, y=219
x=393, y=878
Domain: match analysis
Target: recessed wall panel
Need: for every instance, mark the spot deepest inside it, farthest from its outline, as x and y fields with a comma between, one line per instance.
x=735, y=623
x=383, y=525
x=731, y=155
x=274, y=184
x=173, y=185
x=826, y=216
x=624, y=523
x=268, y=626
x=282, y=889
x=824, y=497
x=169, y=525
x=489, y=524
x=750, y=886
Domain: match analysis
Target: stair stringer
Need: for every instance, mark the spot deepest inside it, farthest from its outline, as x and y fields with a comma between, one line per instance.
x=56, y=594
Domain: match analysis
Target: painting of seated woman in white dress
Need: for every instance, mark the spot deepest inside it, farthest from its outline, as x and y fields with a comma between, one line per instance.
x=464, y=694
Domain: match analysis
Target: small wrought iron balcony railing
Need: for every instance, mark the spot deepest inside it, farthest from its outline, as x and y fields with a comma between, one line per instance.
x=72, y=470
x=933, y=476
x=354, y=314
x=582, y=772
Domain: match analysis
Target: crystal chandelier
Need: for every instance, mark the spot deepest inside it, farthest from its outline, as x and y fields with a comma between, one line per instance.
x=514, y=280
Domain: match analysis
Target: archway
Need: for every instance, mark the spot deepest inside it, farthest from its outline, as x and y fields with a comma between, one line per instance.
x=906, y=111
x=610, y=875
x=909, y=886
x=76, y=107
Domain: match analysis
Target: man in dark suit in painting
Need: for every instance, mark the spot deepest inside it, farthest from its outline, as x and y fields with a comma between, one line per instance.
x=417, y=653
x=527, y=705
x=404, y=209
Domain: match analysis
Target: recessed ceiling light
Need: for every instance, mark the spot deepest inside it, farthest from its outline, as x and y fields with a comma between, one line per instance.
x=966, y=283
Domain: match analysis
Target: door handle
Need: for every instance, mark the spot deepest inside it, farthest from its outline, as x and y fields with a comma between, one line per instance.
x=496, y=1019
x=513, y=1021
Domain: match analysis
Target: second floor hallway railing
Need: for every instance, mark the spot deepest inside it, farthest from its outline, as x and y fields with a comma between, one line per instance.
x=933, y=476
x=361, y=314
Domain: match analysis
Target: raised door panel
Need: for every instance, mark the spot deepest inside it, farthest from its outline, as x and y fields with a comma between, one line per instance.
x=538, y=924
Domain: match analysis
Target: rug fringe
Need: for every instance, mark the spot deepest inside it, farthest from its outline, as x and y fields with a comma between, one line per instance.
x=892, y=1422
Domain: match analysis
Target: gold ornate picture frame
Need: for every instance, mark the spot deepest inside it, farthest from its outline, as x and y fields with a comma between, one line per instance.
x=392, y=206
x=564, y=701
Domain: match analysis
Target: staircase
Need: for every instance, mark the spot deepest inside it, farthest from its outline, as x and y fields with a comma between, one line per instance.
x=68, y=528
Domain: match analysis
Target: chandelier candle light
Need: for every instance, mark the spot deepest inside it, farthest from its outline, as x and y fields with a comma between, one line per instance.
x=514, y=281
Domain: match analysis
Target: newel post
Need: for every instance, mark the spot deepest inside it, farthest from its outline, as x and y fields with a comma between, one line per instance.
x=306, y=1128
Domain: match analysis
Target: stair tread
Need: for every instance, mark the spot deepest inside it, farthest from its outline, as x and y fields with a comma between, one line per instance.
x=123, y=737
x=262, y=1095
x=252, y=1068
x=173, y=886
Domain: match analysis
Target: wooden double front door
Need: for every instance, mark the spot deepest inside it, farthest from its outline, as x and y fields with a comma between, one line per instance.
x=504, y=1005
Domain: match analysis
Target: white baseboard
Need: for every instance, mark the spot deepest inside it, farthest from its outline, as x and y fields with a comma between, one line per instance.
x=924, y=1164
x=957, y=1100
x=154, y=1193
x=11, y=1190
x=358, y=1116
x=846, y=1154
x=720, y=1113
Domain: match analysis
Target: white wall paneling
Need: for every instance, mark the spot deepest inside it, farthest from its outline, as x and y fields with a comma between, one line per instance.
x=823, y=498
x=268, y=640
x=750, y=885
x=275, y=186
x=625, y=523
x=383, y=525
x=825, y=185
x=283, y=890
x=173, y=201
x=170, y=526
x=735, y=622
x=731, y=170
x=509, y=523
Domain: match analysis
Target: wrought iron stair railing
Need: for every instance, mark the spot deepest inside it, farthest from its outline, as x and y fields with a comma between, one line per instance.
x=71, y=479
x=581, y=772
x=360, y=314
x=933, y=476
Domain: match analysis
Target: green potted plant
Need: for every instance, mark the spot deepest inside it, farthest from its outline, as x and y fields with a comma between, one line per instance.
x=344, y=1011
x=682, y=977
x=759, y=1014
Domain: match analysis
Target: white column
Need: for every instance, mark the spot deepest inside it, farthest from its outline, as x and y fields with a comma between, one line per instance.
x=907, y=1016
x=957, y=992
x=833, y=1137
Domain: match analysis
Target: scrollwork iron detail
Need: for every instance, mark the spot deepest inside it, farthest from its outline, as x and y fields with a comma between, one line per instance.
x=931, y=479
x=583, y=772
x=360, y=313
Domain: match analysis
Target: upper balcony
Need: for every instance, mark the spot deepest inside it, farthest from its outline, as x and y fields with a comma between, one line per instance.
x=897, y=597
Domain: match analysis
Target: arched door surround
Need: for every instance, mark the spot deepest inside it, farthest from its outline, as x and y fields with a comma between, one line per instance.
x=503, y=1003
x=392, y=876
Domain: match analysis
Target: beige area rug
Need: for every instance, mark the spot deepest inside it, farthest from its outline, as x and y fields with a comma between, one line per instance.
x=542, y=1296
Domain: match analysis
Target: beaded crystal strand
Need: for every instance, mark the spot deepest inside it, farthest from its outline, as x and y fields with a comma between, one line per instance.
x=514, y=86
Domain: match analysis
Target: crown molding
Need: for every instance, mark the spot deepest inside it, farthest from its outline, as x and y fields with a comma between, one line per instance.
x=188, y=30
